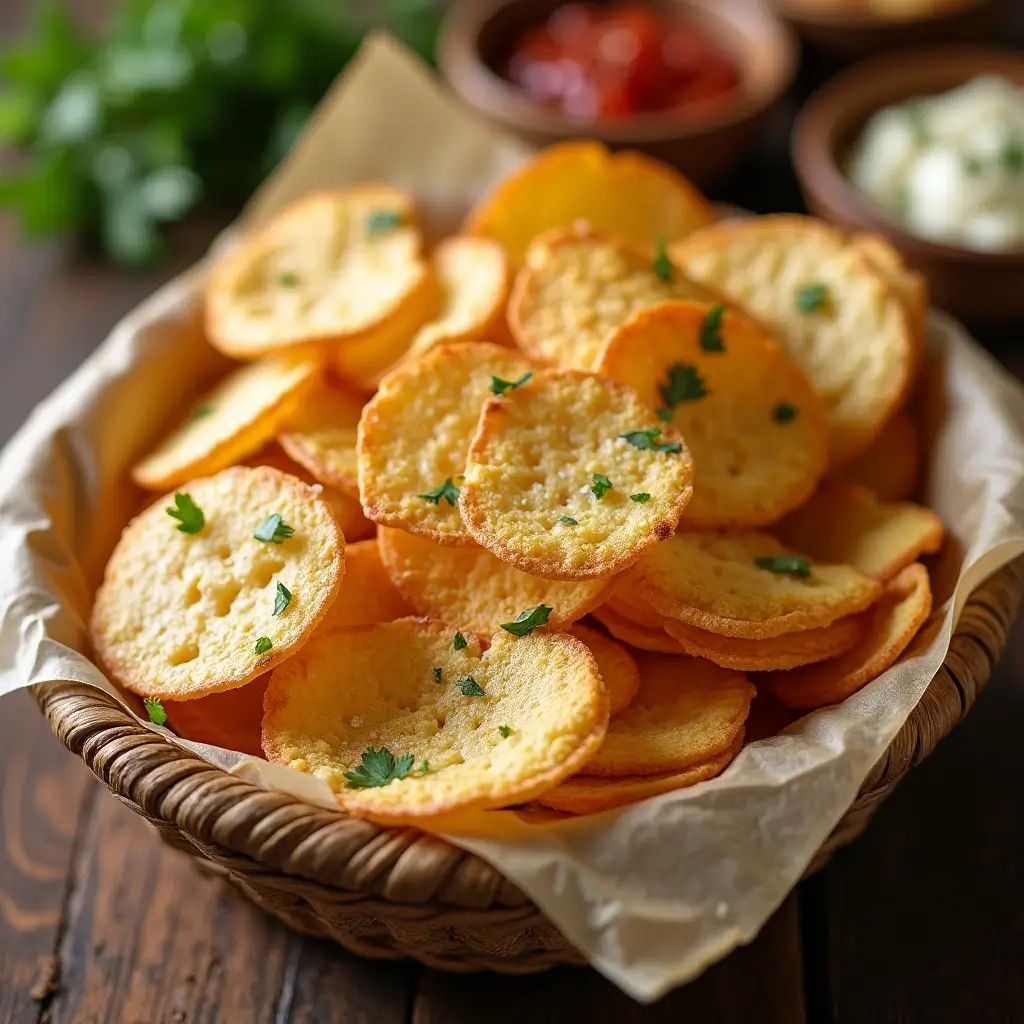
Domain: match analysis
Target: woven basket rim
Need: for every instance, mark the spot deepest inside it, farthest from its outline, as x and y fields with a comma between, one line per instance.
x=221, y=813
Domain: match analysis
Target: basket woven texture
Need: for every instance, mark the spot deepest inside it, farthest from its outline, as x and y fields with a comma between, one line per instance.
x=392, y=893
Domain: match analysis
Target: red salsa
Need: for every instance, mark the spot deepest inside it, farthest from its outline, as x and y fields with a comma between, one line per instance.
x=602, y=61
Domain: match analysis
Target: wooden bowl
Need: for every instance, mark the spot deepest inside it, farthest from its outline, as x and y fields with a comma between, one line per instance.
x=850, y=34
x=977, y=286
x=477, y=36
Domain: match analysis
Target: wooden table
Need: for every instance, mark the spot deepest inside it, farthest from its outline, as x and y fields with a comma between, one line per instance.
x=922, y=920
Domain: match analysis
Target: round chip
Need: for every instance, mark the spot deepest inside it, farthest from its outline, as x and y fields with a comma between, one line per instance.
x=472, y=588
x=185, y=614
x=239, y=416
x=498, y=729
x=757, y=431
x=366, y=594
x=845, y=523
x=901, y=611
x=232, y=719
x=415, y=432
x=616, y=665
x=329, y=268
x=836, y=316
x=627, y=195
x=643, y=638
x=577, y=288
x=716, y=583
x=686, y=711
x=584, y=794
x=321, y=437
x=570, y=477
x=890, y=467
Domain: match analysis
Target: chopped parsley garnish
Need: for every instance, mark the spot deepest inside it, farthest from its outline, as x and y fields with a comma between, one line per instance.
x=505, y=731
x=499, y=386
x=784, y=413
x=684, y=384
x=201, y=411
x=273, y=529
x=600, y=485
x=447, y=490
x=528, y=621
x=811, y=298
x=711, y=330
x=661, y=264
x=469, y=687
x=423, y=767
x=189, y=515
x=383, y=220
x=288, y=279
x=437, y=676
x=568, y=520
x=155, y=710
x=640, y=498
x=282, y=599
x=378, y=768
x=1013, y=156
x=663, y=414
x=263, y=645
x=646, y=440
x=459, y=643
x=794, y=564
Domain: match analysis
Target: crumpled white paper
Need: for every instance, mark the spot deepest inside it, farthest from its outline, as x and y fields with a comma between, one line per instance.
x=653, y=893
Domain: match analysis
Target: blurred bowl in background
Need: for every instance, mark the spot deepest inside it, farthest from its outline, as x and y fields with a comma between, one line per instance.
x=706, y=145
x=847, y=30
x=977, y=286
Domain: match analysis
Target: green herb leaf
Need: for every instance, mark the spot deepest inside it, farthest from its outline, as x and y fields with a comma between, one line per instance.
x=600, y=485
x=661, y=264
x=459, y=643
x=437, y=676
x=794, y=564
x=469, y=687
x=499, y=386
x=202, y=410
x=447, y=490
x=568, y=521
x=381, y=221
x=263, y=645
x=189, y=515
x=378, y=768
x=1012, y=156
x=811, y=298
x=288, y=279
x=784, y=413
x=423, y=767
x=526, y=622
x=684, y=384
x=973, y=166
x=663, y=414
x=642, y=498
x=155, y=710
x=283, y=598
x=711, y=330
x=273, y=529
x=505, y=731
x=916, y=124
x=645, y=440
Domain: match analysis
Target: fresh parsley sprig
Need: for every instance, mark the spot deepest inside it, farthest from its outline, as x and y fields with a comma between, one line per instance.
x=646, y=440
x=711, y=330
x=273, y=529
x=282, y=598
x=527, y=621
x=189, y=515
x=684, y=384
x=812, y=298
x=448, y=491
x=641, y=499
x=264, y=644
x=155, y=710
x=600, y=485
x=784, y=413
x=661, y=264
x=469, y=687
x=500, y=387
x=505, y=731
x=796, y=565
x=459, y=642
x=379, y=768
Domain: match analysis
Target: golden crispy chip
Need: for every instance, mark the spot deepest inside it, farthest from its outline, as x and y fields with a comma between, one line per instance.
x=643, y=638
x=890, y=467
x=584, y=794
x=757, y=431
x=686, y=711
x=475, y=590
x=715, y=583
x=232, y=719
x=773, y=652
x=366, y=594
x=845, y=523
x=182, y=615
x=329, y=268
x=835, y=315
x=626, y=194
x=415, y=432
x=577, y=288
x=900, y=612
x=542, y=713
x=321, y=436
x=234, y=420
x=616, y=665
x=555, y=488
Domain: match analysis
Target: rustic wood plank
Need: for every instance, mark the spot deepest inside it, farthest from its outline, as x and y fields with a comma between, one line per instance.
x=759, y=983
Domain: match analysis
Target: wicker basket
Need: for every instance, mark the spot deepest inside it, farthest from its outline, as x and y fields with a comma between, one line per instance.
x=401, y=893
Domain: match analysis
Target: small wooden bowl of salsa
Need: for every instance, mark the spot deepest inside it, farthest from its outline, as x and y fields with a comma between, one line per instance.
x=685, y=81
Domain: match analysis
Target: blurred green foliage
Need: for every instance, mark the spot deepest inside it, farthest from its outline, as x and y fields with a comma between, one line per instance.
x=177, y=102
